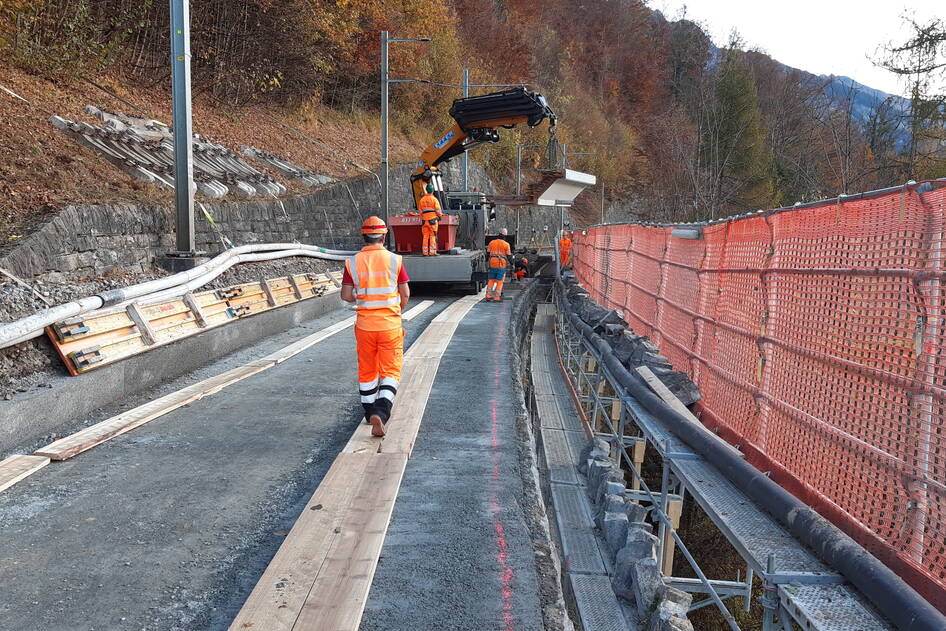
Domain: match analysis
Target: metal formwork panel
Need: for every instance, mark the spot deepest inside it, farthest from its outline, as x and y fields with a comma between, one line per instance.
x=830, y=608
x=597, y=606
x=753, y=532
x=580, y=547
x=571, y=506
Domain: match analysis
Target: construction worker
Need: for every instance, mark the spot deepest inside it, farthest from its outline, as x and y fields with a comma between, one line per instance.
x=375, y=280
x=430, y=214
x=564, y=250
x=498, y=252
x=522, y=268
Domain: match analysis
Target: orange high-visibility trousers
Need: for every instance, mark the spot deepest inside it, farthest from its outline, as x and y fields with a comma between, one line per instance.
x=380, y=355
x=563, y=257
x=430, y=238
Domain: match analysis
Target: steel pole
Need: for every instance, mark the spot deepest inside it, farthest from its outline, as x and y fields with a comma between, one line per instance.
x=602, y=202
x=384, y=125
x=518, y=170
x=466, y=158
x=183, y=126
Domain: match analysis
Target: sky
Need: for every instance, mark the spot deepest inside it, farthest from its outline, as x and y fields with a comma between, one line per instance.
x=837, y=37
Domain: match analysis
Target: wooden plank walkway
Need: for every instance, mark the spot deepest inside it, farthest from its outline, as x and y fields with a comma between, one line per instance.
x=321, y=575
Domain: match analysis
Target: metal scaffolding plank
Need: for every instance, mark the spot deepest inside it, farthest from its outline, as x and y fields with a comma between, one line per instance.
x=571, y=506
x=580, y=547
x=754, y=533
x=830, y=608
x=597, y=606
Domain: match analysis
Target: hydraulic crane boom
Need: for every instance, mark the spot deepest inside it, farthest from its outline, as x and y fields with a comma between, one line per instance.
x=478, y=119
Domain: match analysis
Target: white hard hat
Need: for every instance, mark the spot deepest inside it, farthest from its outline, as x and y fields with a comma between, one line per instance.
x=503, y=231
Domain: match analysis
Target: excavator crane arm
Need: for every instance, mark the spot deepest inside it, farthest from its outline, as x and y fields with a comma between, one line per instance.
x=478, y=120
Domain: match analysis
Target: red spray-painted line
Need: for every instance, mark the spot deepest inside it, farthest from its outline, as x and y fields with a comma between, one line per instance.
x=505, y=570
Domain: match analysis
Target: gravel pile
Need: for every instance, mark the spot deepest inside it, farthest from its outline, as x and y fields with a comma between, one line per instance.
x=35, y=364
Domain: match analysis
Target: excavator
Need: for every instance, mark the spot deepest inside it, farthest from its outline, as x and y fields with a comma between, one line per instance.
x=462, y=236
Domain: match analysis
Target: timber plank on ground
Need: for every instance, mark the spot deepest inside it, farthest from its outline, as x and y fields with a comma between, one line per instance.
x=329, y=574
x=339, y=594
x=677, y=406
x=17, y=467
x=275, y=602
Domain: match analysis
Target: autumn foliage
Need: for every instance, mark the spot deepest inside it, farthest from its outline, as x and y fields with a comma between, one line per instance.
x=679, y=128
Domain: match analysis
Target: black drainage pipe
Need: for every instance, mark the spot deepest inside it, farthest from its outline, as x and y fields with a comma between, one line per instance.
x=896, y=600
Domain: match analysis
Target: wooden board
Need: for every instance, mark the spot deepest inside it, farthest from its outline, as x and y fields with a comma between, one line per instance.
x=416, y=310
x=322, y=573
x=340, y=591
x=83, y=440
x=275, y=602
x=297, y=347
x=17, y=467
x=662, y=391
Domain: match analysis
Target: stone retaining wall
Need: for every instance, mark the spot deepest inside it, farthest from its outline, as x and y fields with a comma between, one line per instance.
x=88, y=241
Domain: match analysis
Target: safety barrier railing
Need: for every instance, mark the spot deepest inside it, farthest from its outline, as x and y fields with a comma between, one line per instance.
x=816, y=337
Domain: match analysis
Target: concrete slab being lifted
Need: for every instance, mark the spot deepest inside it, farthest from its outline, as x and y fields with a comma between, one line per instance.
x=565, y=188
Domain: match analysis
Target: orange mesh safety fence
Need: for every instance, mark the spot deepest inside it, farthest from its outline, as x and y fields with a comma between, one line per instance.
x=817, y=338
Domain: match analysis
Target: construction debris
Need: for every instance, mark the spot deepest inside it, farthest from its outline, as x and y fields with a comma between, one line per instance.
x=144, y=149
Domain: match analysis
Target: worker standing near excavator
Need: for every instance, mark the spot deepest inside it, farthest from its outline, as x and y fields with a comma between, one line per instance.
x=564, y=250
x=376, y=281
x=430, y=214
x=498, y=252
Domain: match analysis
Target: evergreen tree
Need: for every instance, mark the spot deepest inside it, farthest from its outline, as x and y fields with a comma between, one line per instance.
x=740, y=166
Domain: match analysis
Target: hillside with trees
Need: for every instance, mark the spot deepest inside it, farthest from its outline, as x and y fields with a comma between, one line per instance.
x=683, y=130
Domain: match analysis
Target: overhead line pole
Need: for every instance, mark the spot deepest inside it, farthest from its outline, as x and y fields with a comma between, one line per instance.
x=183, y=127
x=466, y=158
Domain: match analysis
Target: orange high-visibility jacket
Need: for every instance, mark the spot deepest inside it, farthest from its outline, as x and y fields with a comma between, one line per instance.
x=429, y=207
x=564, y=244
x=498, y=250
x=374, y=272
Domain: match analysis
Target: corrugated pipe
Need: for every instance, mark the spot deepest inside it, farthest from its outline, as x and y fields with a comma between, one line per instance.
x=899, y=602
x=160, y=289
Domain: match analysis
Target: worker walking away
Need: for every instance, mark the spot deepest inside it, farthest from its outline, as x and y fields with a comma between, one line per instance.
x=522, y=268
x=498, y=252
x=430, y=214
x=375, y=280
x=564, y=250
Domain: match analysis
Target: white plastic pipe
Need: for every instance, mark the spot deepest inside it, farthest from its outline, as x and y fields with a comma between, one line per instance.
x=32, y=326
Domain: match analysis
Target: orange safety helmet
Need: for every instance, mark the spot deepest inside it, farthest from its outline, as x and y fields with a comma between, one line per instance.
x=374, y=225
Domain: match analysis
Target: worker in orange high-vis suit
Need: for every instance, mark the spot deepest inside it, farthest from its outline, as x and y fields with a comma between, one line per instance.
x=564, y=250
x=498, y=253
x=375, y=280
x=522, y=268
x=430, y=214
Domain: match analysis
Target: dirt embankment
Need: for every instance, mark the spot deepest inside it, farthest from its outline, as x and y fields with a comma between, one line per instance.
x=42, y=169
